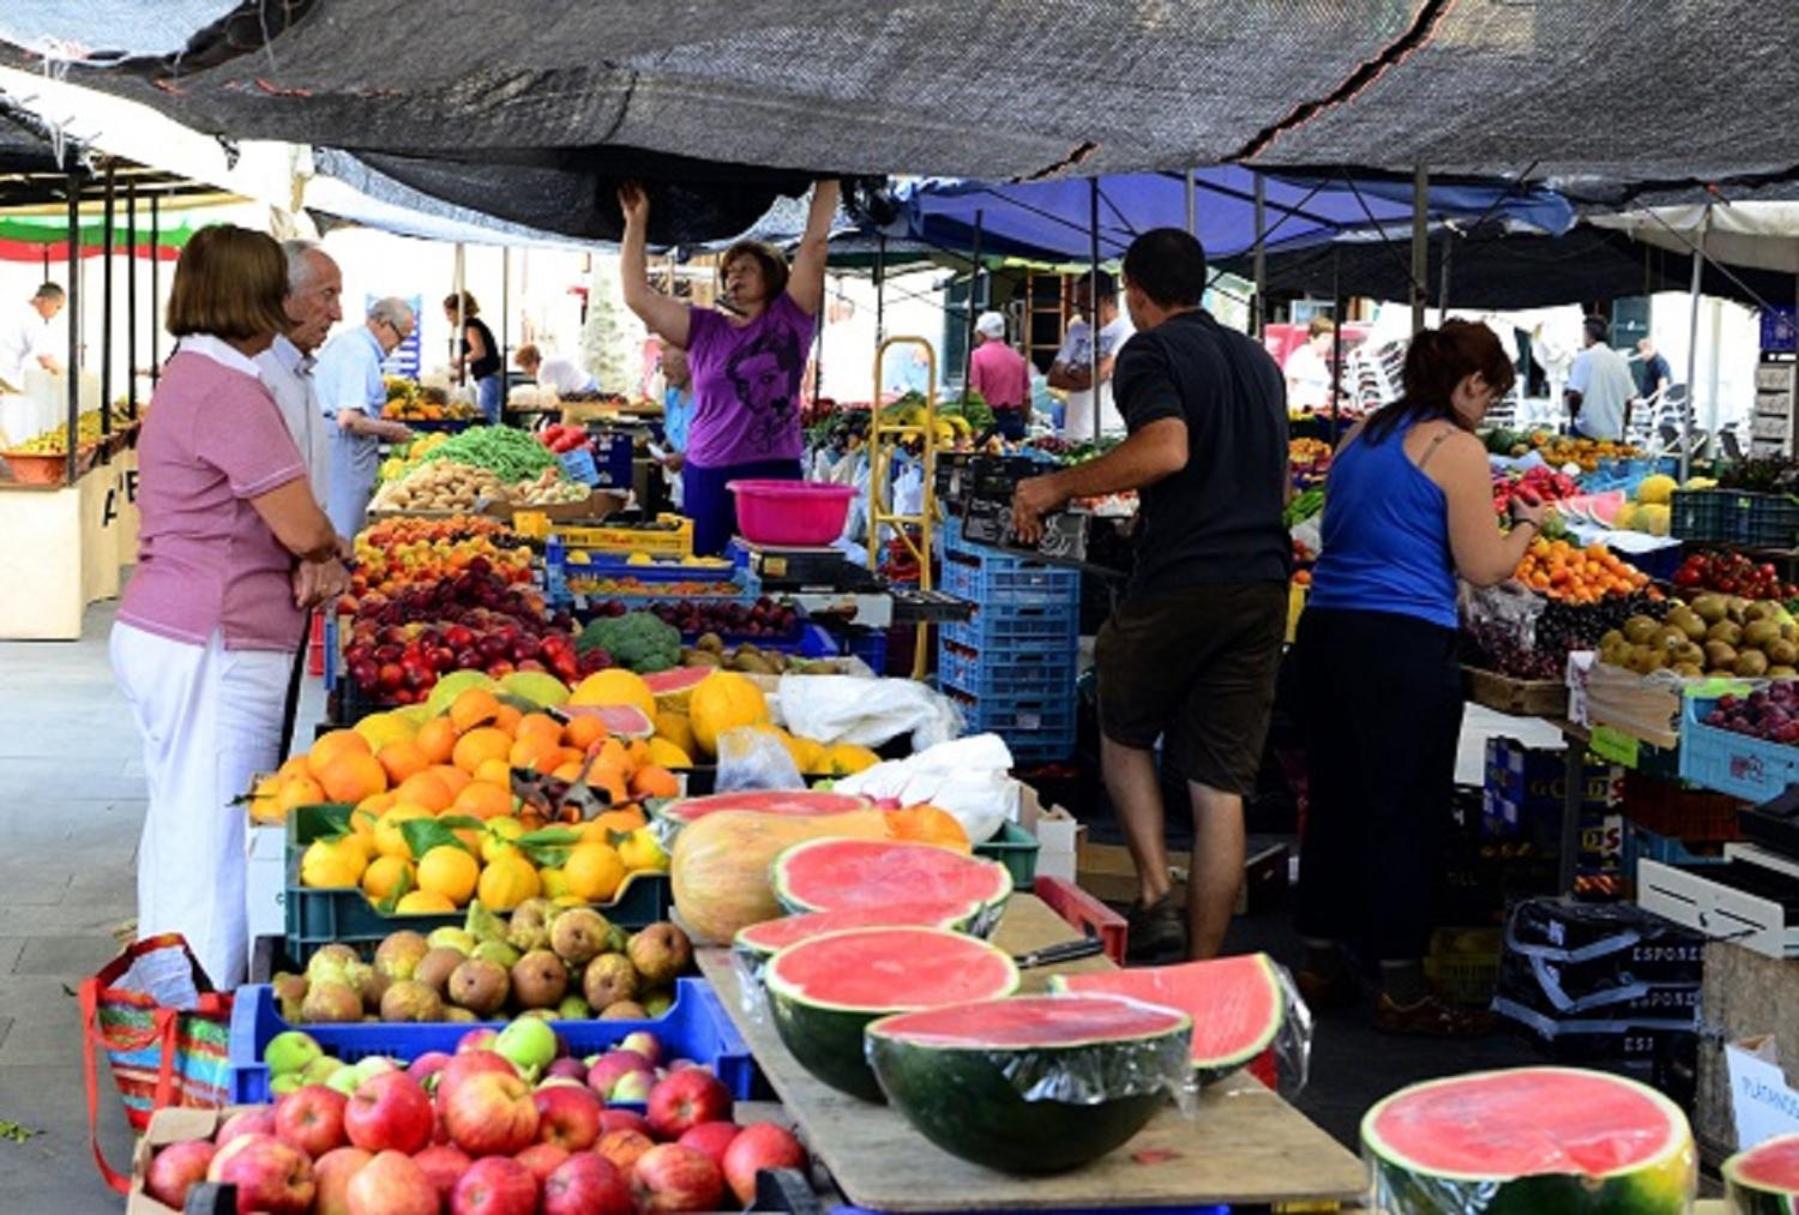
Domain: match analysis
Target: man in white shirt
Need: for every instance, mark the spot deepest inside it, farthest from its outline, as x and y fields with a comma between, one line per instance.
x=1600, y=386
x=1073, y=369
x=314, y=304
x=1308, y=368
x=25, y=339
x=554, y=371
x=351, y=393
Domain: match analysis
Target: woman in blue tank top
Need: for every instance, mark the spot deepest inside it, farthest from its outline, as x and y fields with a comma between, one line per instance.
x=1408, y=510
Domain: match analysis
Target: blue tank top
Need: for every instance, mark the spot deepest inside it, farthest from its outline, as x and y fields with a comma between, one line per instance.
x=1386, y=536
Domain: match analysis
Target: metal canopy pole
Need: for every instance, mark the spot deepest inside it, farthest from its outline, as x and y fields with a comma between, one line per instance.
x=505, y=325
x=880, y=295
x=155, y=289
x=1192, y=203
x=1258, y=319
x=106, y=306
x=1420, y=243
x=131, y=297
x=974, y=291
x=1443, y=290
x=1686, y=412
x=1337, y=310
x=461, y=321
x=73, y=368
x=1093, y=325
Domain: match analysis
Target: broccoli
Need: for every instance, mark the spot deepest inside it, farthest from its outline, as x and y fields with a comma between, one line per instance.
x=637, y=641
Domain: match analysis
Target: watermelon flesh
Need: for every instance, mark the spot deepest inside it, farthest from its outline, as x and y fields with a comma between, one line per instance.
x=824, y=992
x=1032, y=1084
x=792, y=803
x=771, y=936
x=623, y=721
x=838, y=874
x=1238, y=1005
x=1536, y=1140
x=1764, y=1180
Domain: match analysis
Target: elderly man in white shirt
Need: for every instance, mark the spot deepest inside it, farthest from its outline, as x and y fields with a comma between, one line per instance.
x=553, y=371
x=315, y=288
x=351, y=393
x=1600, y=385
x=25, y=337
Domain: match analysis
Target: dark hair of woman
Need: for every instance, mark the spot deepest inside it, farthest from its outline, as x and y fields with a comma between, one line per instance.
x=1436, y=361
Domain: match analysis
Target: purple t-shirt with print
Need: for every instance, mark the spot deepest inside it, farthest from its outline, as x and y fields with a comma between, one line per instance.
x=746, y=385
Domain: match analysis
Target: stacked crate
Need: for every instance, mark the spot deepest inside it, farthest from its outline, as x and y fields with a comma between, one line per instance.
x=1012, y=668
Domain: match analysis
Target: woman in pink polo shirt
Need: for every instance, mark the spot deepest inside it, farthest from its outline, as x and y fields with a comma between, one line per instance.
x=232, y=548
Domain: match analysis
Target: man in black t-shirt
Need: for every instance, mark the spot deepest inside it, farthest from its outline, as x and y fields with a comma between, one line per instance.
x=1189, y=657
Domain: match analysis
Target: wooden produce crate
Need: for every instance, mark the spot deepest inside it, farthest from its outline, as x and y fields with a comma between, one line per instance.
x=1519, y=697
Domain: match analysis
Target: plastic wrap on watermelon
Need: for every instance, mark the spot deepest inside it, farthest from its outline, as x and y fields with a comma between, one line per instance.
x=1246, y=1010
x=1529, y=1140
x=749, y=758
x=752, y=997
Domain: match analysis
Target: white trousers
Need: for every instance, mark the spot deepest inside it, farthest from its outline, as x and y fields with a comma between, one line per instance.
x=211, y=721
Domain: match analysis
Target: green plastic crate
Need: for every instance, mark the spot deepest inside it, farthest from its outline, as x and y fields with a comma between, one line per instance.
x=318, y=916
x=1016, y=849
x=1735, y=516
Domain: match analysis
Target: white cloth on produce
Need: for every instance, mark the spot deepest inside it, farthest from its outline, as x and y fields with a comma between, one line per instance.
x=846, y=709
x=967, y=777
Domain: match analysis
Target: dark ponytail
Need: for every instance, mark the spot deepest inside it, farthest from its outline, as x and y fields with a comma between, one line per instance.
x=1435, y=362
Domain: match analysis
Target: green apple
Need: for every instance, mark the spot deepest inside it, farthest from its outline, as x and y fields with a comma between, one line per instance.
x=281, y=1086
x=528, y=1043
x=322, y=1069
x=291, y=1052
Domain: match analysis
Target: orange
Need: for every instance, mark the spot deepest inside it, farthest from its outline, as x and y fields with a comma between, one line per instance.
x=453, y=778
x=622, y=821
x=423, y=902
x=449, y=871
x=538, y=753
x=637, y=753
x=385, y=875
x=481, y=744
x=507, y=719
x=436, y=738
x=379, y=802
x=364, y=818
x=594, y=871
x=474, y=708
x=483, y=800
x=294, y=767
x=389, y=839
x=568, y=772
x=402, y=759
x=298, y=791
x=334, y=744
x=507, y=882
x=351, y=777
x=425, y=789
x=611, y=782
x=611, y=754
x=495, y=772
x=583, y=731
x=653, y=781
x=533, y=724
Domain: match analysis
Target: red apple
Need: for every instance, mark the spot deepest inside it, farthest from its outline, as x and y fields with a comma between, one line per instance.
x=611, y=1067
x=495, y=1185
x=624, y=1120
x=685, y=1100
x=471, y=1063
x=392, y=1184
x=586, y=1185
x=177, y=1167
x=633, y=1087
x=389, y=1112
x=270, y=1176
x=542, y=1159
x=311, y=1118
x=476, y=1039
x=567, y=1116
x=622, y=1148
x=333, y=1172
x=711, y=1138
x=258, y=1121
x=762, y=1145
x=491, y=1115
x=426, y=1066
x=670, y=1177
x=444, y=1164
x=644, y=1043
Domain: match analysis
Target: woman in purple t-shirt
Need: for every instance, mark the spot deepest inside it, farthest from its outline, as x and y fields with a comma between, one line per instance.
x=747, y=359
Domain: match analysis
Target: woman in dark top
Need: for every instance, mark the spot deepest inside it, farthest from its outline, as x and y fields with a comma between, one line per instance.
x=1408, y=509
x=480, y=355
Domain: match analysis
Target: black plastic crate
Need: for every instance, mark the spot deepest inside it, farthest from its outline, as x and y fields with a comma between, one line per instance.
x=1735, y=516
x=1589, y=948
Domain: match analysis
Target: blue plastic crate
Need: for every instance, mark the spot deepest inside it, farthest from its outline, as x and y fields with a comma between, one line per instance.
x=1745, y=767
x=1642, y=844
x=1030, y=585
x=1029, y=750
x=1050, y=674
x=1023, y=714
x=695, y=1027
x=992, y=626
x=870, y=645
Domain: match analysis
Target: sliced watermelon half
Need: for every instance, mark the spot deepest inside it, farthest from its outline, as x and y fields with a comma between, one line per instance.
x=1238, y=1006
x=1764, y=1179
x=838, y=874
x=1032, y=1084
x=1531, y=1141
x=673, y=688
x=771, y=936
x=824, y=992
x=623, y=721
x=791, y=803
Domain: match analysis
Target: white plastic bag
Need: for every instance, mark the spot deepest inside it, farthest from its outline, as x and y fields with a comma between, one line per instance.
x=755, y=759
x=845, y=709
x=968, y=777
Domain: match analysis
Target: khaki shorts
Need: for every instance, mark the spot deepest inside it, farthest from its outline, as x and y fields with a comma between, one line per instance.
x=1195, y=668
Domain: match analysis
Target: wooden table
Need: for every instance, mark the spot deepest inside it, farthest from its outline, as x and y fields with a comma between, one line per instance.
x=1244, y=1145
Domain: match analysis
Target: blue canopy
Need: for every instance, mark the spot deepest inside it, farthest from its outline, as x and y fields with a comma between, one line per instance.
x=1051, y=220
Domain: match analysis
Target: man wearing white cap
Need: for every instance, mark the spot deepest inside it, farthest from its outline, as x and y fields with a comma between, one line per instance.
x=1001, y=375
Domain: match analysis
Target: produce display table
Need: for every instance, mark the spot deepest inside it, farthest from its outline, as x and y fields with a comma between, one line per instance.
x=1244, y=1146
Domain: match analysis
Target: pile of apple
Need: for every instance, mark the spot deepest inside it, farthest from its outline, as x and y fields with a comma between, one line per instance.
x=571, y=965
x=394, y=553
x=468, y=1134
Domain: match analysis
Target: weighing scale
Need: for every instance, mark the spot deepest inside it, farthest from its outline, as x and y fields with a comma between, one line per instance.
x=826, y=583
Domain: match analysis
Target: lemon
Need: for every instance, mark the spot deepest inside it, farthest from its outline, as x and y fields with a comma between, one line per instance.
x=555, y=883
x=423, y=902
x=497, y=842
x=389, y=839
x=332, y=863
x=641, y=850
x=593, y=871
x=385, y=875
x=507, y=882
x=449, y=871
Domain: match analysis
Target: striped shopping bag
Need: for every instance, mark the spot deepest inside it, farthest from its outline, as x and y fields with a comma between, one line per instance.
x=164, y=1031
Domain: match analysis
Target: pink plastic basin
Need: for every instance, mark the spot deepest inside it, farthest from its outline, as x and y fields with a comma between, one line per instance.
x=791, y=513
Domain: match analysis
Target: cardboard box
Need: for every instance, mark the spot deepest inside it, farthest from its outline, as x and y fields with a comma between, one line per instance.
x=265, y=880
x=1762, y=1103
x=1059, y=837
x=166, y=1127
x=1106, y=872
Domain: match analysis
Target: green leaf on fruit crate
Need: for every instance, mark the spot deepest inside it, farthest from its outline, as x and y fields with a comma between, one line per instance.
x=462, y=822
x=555, y=837
x=424, y=834
x=402, y=888
x=544, y=856
x=330, y=820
